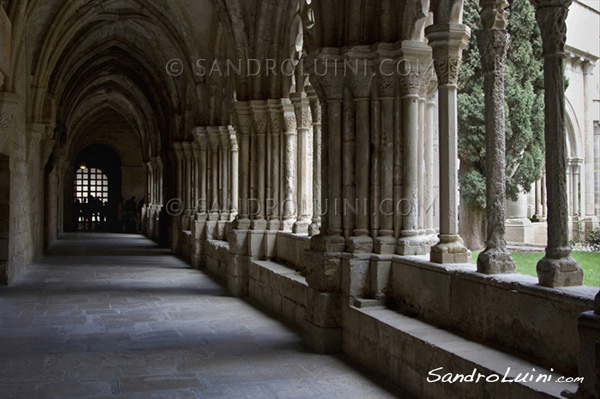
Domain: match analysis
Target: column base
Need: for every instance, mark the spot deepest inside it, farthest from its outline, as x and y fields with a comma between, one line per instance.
x=538, y=218
x=224, y=216
x=241, y=224
x=287, y=224
x=411, y=244
x=385, y=245
x=495, y=261
x=450, y=249
x=313, y=229
x=259, y=224
x=301, y=227
x=274, y=225
x=328, y=243
x=559, y=272
x=360, y=244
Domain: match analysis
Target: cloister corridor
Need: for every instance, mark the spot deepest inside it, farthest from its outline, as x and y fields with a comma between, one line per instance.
x=116, y=316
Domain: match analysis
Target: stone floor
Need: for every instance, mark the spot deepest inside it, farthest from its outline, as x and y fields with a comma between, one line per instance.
x=114, y=316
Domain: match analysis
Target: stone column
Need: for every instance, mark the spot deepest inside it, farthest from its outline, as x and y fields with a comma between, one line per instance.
x=213, y=175
x=421, y=166
x=575, y=165
x=411, y=77
x=539, y=203
x=275, y=205
x=330, y=87
x=557, y=268
x=493, y=45
x=448, y=40
x=290, y=179
x=161, y=180
x=429, y=198
x=187, y=185
x=315, y=108
x=360, y=85
x=178, y=159
x=304, y=121
x=261, y=119
x=597, y=168
x=200, y=134
x=385, y=243
x=233, y=170
x=196, y=178
x=591, y=220
x=149, y=183
x=244, y=119
x=224, y=175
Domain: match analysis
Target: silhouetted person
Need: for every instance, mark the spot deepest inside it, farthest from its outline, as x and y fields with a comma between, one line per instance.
x=120, y=215
x=130, y=210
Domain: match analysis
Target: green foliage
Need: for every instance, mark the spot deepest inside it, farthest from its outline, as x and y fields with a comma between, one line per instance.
x=594, y=240
x=524, y=107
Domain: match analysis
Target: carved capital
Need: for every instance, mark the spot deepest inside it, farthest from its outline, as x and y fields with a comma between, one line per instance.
x=360, y=83
x=225, y=138
x=410, y=83
x=244, y=117
x=325, y=68
x=187, y=150
x=493, y=14
x=302, y=109
x=234, y=147
x=551, y=16
x=5, y=119
x=387, y=86
x=275, y=115
x=432, y=88
x=315, y=105
x=213, y=138
x=260, y=116
x=446, y=69
x=200, y=134
x=289, y=119
x=447, y=41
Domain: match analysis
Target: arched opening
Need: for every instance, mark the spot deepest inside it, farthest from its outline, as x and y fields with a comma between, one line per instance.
x=94, y=190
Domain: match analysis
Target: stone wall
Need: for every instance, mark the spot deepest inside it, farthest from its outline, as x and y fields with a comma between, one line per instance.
x=511, y=310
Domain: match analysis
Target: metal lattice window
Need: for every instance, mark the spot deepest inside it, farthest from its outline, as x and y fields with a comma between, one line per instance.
x=91, y=182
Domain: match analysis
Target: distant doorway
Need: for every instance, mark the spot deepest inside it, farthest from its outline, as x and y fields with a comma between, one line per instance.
x=93, y=197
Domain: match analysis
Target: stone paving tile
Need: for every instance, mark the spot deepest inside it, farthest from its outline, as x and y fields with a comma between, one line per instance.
x=115, y=316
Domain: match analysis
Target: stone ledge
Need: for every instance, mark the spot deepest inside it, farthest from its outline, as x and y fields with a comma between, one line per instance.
x=509, y=310
x=581, y=295
x=405, y=337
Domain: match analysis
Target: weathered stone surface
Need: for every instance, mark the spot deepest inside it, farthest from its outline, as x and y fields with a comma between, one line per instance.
x=557, y=268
